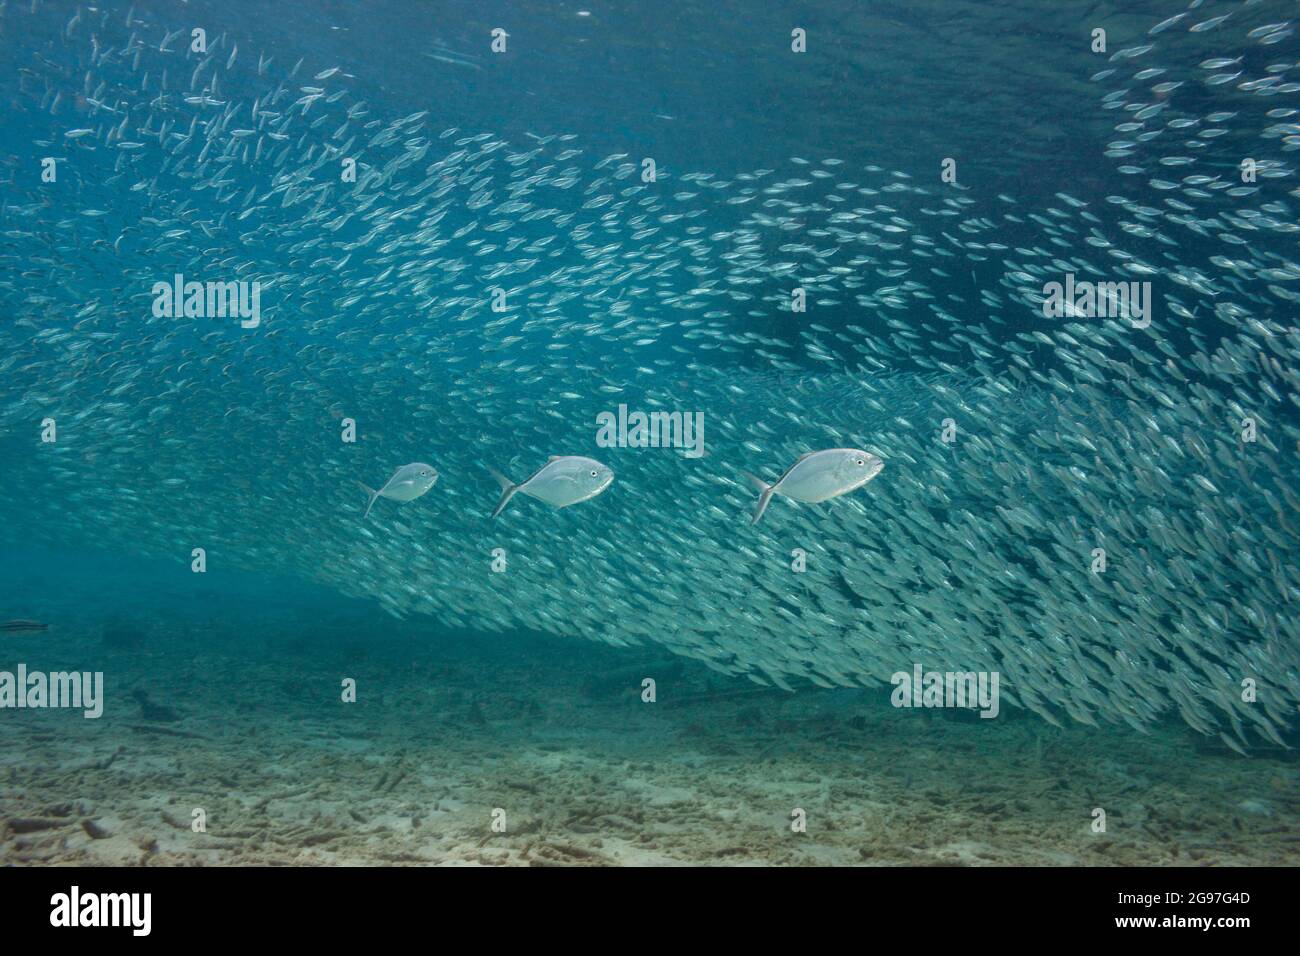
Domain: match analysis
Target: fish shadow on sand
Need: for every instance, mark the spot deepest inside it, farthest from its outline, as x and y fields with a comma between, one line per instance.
x=158, y=713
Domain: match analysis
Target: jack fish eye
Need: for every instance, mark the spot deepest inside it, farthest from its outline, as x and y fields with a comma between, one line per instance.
x=593, y=474
x=861, y=461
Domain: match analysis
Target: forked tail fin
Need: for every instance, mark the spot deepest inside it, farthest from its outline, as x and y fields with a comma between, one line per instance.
x=764, y=495
x=373, y=495
x=508, y=489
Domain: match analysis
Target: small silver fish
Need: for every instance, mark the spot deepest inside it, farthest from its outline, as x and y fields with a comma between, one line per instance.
x=407, y=484
x=819, y=476
x=564, y=480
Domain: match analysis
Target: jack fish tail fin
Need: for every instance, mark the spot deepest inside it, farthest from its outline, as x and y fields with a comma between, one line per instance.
x=373, y=495
x=764, y=495
x=508, y=489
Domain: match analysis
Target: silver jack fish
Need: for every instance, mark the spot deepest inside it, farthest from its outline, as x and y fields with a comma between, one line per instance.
x=819, y=476
x=407, y=484
x=564, y=480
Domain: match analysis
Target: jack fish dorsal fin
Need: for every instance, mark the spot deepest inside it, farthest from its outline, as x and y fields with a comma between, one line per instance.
x=555, y=458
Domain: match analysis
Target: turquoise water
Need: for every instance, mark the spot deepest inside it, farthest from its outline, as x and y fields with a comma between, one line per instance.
x=833, y=231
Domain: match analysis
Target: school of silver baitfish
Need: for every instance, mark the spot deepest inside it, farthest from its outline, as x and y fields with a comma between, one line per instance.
x=1015, y=447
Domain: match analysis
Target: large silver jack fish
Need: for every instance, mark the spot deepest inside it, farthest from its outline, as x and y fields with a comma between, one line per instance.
x=407, y=484
x=564, y=480
x=819, y=476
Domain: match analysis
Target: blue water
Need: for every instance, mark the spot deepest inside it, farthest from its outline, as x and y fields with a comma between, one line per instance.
x=181, y=512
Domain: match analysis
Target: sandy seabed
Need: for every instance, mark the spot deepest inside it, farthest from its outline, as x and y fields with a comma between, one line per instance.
x=555, y=734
